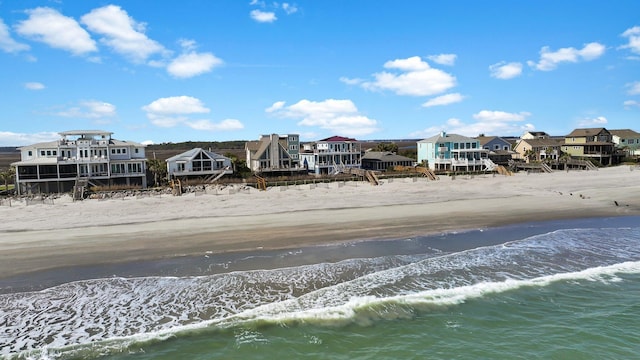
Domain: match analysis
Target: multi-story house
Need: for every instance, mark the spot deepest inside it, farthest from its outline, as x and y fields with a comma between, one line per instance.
x=331, y=155
x=626, y=140
x=91, y=155
x=274, y=154
x=198, y=163
x=453, y=152
x=499, y=149
x=538, y=149
x=591, y=143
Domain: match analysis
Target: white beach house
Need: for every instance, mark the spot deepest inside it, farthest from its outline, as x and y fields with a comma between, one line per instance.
x=91, y=155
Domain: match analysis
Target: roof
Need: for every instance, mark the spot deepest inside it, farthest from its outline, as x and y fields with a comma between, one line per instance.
x=543, y=142
x=337, y=138
x=191, y=154
x=85, y=132
x=37, y=161
x=625, y=133
x=586, y=132
x=48, y=144
x=487, y=139
x=447, y=138
x=384, y=156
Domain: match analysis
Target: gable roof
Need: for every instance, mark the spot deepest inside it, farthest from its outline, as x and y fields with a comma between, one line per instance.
x=191, y=154
x=625, y=133
x=586, y=132
x=447, y=138
x=542, y=142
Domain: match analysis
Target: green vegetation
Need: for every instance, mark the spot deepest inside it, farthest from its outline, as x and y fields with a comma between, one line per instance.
x=7, y=175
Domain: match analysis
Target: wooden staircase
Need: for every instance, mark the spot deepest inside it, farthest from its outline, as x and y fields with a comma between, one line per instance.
x=261, y=183
x=79, y=188
x=503, y=170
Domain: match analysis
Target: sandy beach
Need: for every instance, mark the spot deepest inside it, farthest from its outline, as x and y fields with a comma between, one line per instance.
x=66, y=233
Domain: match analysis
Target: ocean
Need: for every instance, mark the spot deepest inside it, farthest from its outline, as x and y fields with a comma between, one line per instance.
x=554, y=290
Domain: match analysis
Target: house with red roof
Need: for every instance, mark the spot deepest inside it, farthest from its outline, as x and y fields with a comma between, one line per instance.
x=331, y=155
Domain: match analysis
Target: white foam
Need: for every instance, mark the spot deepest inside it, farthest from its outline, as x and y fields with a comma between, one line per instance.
x=116, y=312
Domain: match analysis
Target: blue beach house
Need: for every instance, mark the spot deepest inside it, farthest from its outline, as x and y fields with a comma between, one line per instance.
x=452, y=152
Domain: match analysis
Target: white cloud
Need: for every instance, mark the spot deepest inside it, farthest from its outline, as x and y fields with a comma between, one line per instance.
x=416, y=78
x=338, y=116
x=208, y=125
x=504, y=70
x=147, y=142
x=90, y=109
x=34, y=86
x=487, y=122
x=8, y=138
x=122, y=33
x=171, y=111
x=634, y=88
x=350, y=81
x=263, y=16
x=289, y=8
x=631, y=103
x=7, y=44
x=633, y=34
x=192, y=64
x=444, y=100
x=597, y=122
x=56, y=30
x=500, y=116
x=275, y=107
x=443, y=59
x=549, y=60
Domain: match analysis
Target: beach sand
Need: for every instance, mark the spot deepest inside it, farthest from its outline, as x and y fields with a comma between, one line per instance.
x=68, y=234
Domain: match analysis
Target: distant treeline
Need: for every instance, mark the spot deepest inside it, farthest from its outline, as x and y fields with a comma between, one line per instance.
x=213, y=145
x=8, y=149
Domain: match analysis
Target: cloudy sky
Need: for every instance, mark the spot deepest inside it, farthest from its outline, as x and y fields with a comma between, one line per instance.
x=165, y=71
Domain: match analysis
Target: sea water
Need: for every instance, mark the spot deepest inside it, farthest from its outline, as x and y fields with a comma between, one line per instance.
x=566, y=292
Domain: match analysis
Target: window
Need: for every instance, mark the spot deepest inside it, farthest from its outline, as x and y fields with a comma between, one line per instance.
x=41, y=152
x=124, y=151
x=113, y=151
x=137, y=150
x=55, y=152
x=30, y=153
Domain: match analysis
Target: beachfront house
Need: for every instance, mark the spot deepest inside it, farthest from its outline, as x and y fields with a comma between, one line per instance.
x=452, y=152
x=626, y=140
x=88, y=155
x=198, y=163
x=528, y=135
x=538, y=149
x=591, y=144
x=331, y=155
x=383, y=160
x=499, y=148
x=274, y=154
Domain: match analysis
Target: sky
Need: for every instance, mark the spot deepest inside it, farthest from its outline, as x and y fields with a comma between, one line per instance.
x=200, y=70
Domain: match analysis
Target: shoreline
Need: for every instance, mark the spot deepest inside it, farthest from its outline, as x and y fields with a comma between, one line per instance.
x=38, y=238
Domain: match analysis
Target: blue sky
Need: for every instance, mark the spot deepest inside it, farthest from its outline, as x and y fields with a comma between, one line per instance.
x=167, y=71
